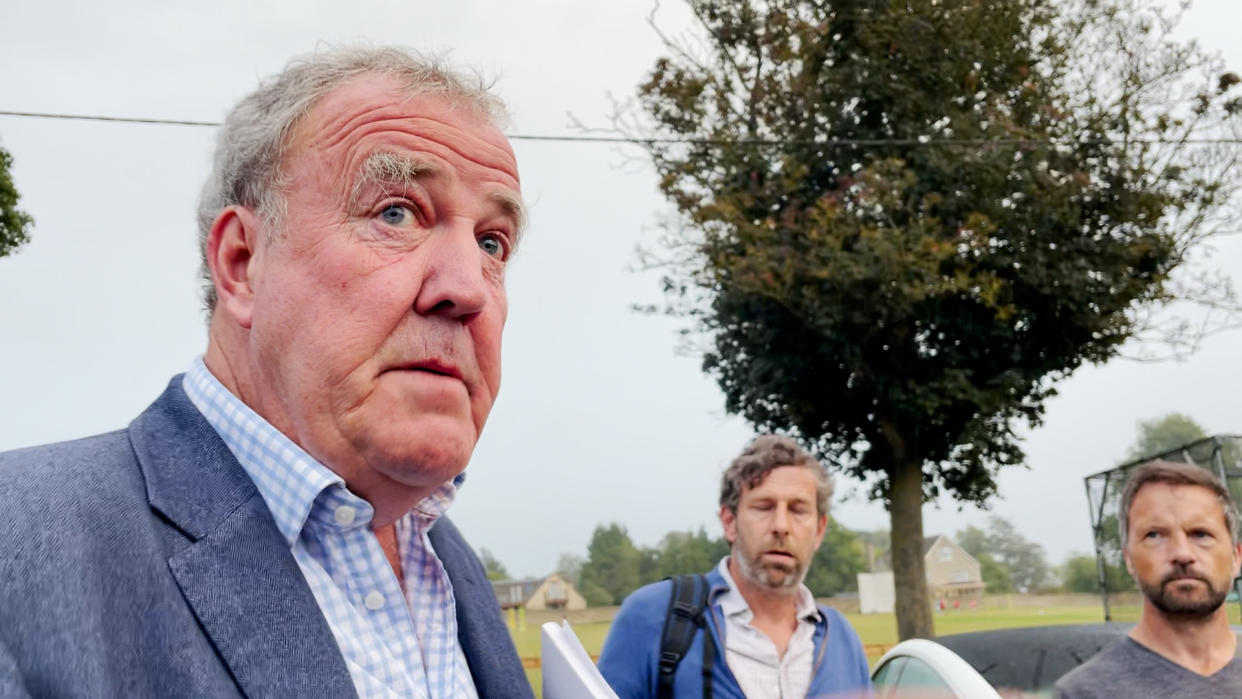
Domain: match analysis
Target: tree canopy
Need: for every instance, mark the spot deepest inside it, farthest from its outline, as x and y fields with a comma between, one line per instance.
x=1008, y=560
x=898, y=224
x=615, y=566
x=492, y=566
x=837, y=562
x=1164, y=433
x=14, y=223
x=612, y=567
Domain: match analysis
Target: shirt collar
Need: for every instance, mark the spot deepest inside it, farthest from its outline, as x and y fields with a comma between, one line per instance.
x=732, y=603
x=298, y=489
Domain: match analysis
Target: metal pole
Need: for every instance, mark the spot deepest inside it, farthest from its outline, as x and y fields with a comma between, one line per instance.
x=1096, y=517
x=1218, y=461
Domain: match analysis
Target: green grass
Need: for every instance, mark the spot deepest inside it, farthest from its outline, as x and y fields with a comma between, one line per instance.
x=879, y=631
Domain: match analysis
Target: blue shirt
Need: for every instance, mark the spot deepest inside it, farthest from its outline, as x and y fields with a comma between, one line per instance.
x=631, y=655
x=395, y=641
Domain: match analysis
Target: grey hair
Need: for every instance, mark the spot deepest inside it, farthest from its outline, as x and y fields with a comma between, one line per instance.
x=764, y=454
x=253, y=142
x=1175, y=473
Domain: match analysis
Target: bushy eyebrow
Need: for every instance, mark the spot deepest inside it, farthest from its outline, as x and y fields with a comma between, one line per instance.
x=402, y=170
x=515, y=210
x=391, y=169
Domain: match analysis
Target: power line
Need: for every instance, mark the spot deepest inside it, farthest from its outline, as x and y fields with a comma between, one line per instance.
x=123, y=120
x=833, y=142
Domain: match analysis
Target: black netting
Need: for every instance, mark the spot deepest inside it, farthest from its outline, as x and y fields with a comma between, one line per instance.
x=1221, y=454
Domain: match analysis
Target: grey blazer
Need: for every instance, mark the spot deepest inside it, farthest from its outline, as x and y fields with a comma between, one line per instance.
x=144, y=563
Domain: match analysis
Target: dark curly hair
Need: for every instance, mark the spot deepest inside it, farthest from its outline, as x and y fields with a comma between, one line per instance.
x=763, y=454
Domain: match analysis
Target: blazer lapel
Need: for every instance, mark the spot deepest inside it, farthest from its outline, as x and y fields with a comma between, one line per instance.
x=236, y=572
x=484, y=638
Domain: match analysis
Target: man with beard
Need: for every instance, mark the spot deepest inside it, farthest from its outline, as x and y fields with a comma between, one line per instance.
x=1179, y=535
x=760, y=633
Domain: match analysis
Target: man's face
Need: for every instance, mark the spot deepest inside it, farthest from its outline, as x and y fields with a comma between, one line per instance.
x=776, y=528
x=379, y=303
x=1179, y=549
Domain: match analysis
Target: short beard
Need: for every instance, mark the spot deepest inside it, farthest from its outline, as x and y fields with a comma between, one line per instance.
x=1177, y=606
x=762, y=576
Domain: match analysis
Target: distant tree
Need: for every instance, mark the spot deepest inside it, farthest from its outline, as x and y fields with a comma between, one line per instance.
x=878, y=538
x=875, y=544
x=1080, y=573
x=903, y=306
x=648, y=566
x=569, y=566
x=492, y=565
x=1164, y=433
x=1023, y=560
x=595, y=595
x=995, y=575
x=837, y=562
x=1116, y=577
x=612, y=566
x=690, y=552
x=973, y=540
x=14, y=223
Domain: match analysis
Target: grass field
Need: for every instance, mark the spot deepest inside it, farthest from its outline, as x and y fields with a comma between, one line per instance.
x=879, y=631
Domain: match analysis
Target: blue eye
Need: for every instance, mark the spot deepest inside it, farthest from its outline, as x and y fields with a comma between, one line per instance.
x=396, y=215
x=491, y=245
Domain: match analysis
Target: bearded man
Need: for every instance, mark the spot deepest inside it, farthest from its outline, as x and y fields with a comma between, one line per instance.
x=1179, y=535
x=759, y=632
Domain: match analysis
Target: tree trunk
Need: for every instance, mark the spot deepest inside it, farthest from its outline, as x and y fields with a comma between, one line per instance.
x=914, y=616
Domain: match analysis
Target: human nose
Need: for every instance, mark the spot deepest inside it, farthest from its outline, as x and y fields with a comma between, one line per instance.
x=780, y=520
x=1181, y=549
x=454, y=283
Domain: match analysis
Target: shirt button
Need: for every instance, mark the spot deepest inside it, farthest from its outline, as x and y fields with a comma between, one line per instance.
x=344, y=515
x=374, y=601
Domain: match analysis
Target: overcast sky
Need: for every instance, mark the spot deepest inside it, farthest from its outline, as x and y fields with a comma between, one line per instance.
x=600, y=418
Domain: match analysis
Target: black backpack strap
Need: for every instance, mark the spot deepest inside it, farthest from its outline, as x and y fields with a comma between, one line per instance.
x=685, y=616
x=709, y=654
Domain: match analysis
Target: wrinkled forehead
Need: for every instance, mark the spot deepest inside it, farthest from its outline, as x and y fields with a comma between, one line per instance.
x=1163, y=500
x=375, y=111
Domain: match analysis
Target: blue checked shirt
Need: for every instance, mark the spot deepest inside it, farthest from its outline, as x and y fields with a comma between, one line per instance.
x=396, y=642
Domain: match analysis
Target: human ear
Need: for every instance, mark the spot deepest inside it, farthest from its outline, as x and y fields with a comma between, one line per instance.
x=820, y=529
x=728, y=520
x=232, y=249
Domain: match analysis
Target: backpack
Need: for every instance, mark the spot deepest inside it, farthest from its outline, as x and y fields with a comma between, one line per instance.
x=687, y=613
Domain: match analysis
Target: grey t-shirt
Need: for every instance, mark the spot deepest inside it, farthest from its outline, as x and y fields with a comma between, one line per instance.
x=1127, y=668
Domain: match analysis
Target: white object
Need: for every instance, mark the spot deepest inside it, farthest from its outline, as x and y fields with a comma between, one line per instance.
x=568, y=672
x=961, y=678
x=876, y=594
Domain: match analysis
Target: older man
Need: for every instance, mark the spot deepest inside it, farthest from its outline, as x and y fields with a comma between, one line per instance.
x=760, y=633
x=272, y=525
x=1179, y=536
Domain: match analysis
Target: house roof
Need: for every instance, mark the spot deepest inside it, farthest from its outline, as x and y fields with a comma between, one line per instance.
x=526, y=585
x=883, y=562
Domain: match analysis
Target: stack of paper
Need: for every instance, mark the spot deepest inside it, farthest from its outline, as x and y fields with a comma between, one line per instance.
x=568, y=672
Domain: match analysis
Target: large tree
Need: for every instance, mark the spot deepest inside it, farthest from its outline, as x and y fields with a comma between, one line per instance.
x=14, y=223
x=492, y=566
x=897, y=224
x=1164, y=433
x=1024, y=566
x=688, y=552
x=837, y=562
x=612, y=566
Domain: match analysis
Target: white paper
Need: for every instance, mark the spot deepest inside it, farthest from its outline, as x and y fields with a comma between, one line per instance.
x=568, y=672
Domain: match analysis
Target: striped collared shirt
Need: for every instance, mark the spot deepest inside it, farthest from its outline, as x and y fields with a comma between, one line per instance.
x=396, y=642
x=752, y=656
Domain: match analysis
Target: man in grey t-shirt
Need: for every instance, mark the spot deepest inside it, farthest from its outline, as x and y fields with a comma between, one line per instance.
x=1179, y=535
